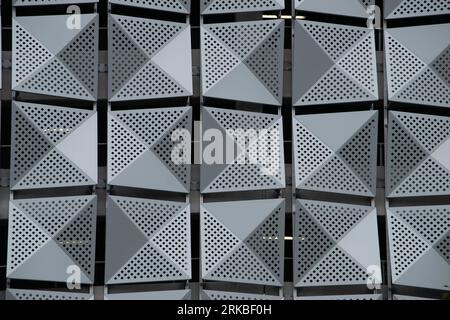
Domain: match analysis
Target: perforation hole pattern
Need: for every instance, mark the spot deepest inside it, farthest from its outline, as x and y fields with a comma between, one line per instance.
x=411, y=8
x=229, y=6
x=443, y=247
x=48, y=296
x=224, y=296
x=442, y=66
x=182, y=6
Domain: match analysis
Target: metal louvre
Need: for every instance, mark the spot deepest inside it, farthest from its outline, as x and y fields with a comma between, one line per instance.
x=148, y=59
x=419, y=239
x=50, y=235
x=51, y=59
x=243, y=61
x=235, y=6
x=418, y=155
x=241, y=174
x=336, y=152
x=418, y=70
x=140, y=149
x=327, y=244
x=53, y=147
x=155, y=242
x=354, y=8
x=235, y=296
x=179, y=6
x=243, y=241
x=333, y=64
x=17, y=294
x=397, y=9
x=173, y=295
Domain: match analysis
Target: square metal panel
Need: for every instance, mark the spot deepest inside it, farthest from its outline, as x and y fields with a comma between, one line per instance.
x=179, y=6
x=336, y=152
x=397, y=9
x=18, y=294
x=335, y=244
x=251, y=167
x=173, y=295
x=354, y=8
x=418, y=155
x=140, y=149
x=51, y=59
x=235, y=296
x=343, y=297
x=419, y=242
x=21, y=3
x=53, y=147
x=243, y=61
x=243, y=241
x=234, y=6
x=333, y=64
x=148, y=59
x=49, y=236
x=418, y=64
x=147, y=241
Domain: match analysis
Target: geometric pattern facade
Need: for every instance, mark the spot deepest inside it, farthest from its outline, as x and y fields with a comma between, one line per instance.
x=234, y=296
x=148, y=59
x=336, y=152
x=179, y=6
x=418, y=64
x=243, y=242
x=396, y=9
x=234, y=6
x=17, y=294
x=335, y=244
x=20, y=3
x=51, y=59
x=354, y=8
x=173, y=295
x=53, y=147
x=140, y=146
x=243, y=61
x=147, y=241
x=418, y=155
x=251, y=168
x=419, y=239
x=333, y=64
x=49, y=236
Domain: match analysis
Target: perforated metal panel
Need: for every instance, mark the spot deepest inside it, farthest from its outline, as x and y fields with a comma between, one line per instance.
x=418, y=64
x=335, y=244
x=337, y=152
x=47, y=236
x=51, y=59
x=233, y=6
x=355, y=8
x=181, y=6
x=243, y=61
x=344, y=297
x=418, y=155
x=419, y=242
x=52, y=147
x=395, y=9
x=243, y=241
x=140, y=149
x=333, y=64
x=235, y=296
x=148, y=59
x=408, y=298
x=154, y=243
x=18, y=3
x=149, y=296
x=16, y=294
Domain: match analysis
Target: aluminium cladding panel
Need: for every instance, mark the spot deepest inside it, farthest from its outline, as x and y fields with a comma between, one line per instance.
x=235, y=296
x=147, y=241
x=333, y=64
x=50, y=237
x=399, y=9
x=343, y=297
x=335, y=245
x=418, y=155
x=148, y=59
x=418, y=64
x=20, y=294
x=256, y=160
x=178, y=6
x=235, y=6
x=336, y=152
x=419, y=244
x=353, y=8
x=173, y=295
x=243, y=61
x=53, y=147
x=22, y=3
x=243, y=242
x=49, y=58
x=141, y=149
